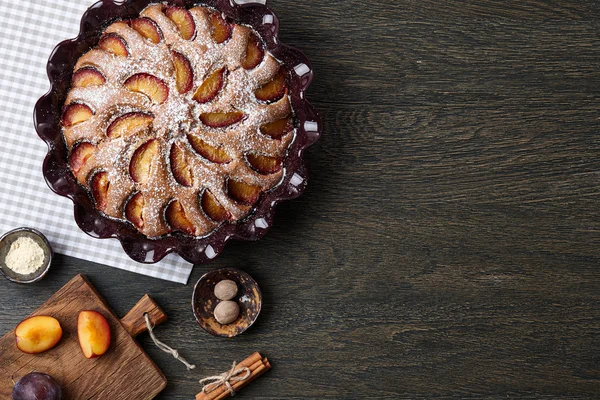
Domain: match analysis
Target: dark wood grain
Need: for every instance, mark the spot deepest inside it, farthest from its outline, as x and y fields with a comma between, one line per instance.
x=448, y=244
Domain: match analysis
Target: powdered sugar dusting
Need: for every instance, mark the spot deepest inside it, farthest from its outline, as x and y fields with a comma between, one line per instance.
x=175, y=118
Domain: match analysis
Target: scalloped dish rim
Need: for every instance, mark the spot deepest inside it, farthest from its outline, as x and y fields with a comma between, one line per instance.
x=196, y=250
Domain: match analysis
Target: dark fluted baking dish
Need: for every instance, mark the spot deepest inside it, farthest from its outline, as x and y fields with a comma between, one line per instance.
x=198, y=250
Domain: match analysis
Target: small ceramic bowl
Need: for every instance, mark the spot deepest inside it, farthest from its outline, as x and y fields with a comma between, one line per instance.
x=7, y=240
x=204, y=302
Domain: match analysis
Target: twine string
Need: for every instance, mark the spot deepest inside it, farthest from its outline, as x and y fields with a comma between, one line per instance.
x=164, y=347
x=233, y=375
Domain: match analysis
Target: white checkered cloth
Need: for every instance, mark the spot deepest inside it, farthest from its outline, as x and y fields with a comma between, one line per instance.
x=29, y=30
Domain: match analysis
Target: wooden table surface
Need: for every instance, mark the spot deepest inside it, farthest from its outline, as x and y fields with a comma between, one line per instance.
x=448, y=244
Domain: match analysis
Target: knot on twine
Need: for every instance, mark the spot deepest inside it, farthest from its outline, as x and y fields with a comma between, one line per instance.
x=164, y=347
x=233, y=375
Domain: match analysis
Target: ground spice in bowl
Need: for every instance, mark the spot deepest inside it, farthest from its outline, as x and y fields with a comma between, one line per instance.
x=25, y=255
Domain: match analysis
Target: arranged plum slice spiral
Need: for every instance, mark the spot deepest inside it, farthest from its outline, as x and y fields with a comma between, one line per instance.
x=178, y=120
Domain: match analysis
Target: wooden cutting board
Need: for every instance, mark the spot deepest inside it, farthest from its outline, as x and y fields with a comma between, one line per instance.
x=125, y=372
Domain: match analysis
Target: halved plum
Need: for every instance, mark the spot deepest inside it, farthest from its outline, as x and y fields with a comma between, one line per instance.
x=273, y=90
x=213, y=208
x=128, y=124
x=114, y=44
x=87, y=76
x=243, y=192
x=141, y=163
x=147, y=28
x=183, y=20
x=93, y=332
x=184, y=75
x=221, y=29
x=277, y=129
x=99, y=186
x=176, y=218
x=79, y=155
x=76, y=113
x=38, y=334
x=254, y=53
x=221, y=119
x=212, y=153
x=150, y=85
x=210, y=87
x=134, y=210
x=182, y=171
x=264, y=164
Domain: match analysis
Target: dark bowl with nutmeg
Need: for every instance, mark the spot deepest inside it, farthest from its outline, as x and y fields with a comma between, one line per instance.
x=226, y=302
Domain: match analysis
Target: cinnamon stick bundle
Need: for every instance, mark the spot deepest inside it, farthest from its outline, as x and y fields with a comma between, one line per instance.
x=257, y=365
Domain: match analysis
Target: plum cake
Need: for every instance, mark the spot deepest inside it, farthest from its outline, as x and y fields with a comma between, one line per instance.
x=178, y=120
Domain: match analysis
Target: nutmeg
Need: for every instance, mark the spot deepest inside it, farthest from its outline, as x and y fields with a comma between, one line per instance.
x=226, y=312
x=226, y=289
